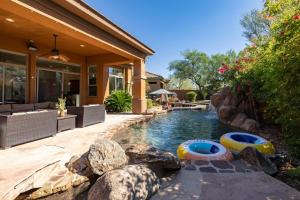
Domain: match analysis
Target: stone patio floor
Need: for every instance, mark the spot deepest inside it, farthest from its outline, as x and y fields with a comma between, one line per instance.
x=30, y=165
x=221, y=180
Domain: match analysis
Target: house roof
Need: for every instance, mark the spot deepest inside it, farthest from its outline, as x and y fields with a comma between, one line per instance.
x=151, y=75
x=98, y=19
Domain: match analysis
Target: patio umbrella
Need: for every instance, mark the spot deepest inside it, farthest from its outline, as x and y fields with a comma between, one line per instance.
x=163, y=94
x=160, y=92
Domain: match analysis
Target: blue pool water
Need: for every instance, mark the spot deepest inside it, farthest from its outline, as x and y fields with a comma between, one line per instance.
x=166, y=132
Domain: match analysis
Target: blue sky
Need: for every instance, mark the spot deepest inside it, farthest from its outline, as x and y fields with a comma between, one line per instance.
x=172, y=26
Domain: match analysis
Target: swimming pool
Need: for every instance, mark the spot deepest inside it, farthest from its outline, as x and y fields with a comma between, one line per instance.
x=166, y=132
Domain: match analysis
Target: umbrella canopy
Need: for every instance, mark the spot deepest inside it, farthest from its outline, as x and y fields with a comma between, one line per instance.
x=160, y=92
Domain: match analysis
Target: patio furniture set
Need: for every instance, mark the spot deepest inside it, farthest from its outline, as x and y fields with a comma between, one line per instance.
x=21, y=123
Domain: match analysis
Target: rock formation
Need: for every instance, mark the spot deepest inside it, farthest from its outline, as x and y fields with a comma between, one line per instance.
x=234, y=111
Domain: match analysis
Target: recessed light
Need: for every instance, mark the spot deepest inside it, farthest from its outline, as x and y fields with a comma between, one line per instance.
x=9, y=20
x=82, y=45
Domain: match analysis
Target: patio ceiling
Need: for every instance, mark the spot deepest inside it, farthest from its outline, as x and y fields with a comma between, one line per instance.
x=25, y=29
x=38, y=20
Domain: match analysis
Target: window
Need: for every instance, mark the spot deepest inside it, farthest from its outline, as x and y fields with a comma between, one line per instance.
x=116, y=79
x=12, y=77
x=92, y=82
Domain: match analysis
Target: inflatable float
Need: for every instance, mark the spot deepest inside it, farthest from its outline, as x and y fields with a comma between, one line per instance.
x=237, y=141
x=203, y=150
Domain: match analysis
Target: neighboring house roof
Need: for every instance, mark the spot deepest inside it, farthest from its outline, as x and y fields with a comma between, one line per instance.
x=151, y=75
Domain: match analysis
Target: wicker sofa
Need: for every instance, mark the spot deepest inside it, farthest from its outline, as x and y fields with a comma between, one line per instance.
x=88, y=114
x=21, y=123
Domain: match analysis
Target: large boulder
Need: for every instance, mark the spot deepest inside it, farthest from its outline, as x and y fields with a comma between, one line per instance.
x=105, y=155
x=258, y=160
x=130, y=182
x=238, y=120
x=227, y=100
x=225, y=113
x=217, y=99
x=154, y=158
x=80, y=165
x=250, y=125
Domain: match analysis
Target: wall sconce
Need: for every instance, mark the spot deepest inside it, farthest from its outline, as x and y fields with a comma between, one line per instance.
x=31, y=46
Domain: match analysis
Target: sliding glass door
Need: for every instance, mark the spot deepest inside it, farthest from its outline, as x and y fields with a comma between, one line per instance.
x=49, y=85
x=57, y=80
x=12, y=77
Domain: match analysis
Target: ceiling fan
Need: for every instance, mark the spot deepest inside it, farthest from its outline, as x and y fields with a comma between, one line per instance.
x=54, y=54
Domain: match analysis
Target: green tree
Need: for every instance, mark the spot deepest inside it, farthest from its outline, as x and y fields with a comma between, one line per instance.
x=255, y=25
x=273, y=75
x=194, y=66
x=202, y=69
x=180, y=84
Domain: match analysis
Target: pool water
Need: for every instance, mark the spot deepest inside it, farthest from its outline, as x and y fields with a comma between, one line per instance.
x=168, y=131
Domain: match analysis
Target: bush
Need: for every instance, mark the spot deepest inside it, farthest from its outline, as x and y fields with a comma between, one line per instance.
x=191, y=96
x=149, y=103
x=119, y=101
x=269, y=69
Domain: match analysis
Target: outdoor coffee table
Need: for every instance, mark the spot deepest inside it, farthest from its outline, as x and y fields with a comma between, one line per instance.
x=65, y=123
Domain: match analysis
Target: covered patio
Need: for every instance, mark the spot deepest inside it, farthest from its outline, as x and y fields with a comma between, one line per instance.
x=101, y=57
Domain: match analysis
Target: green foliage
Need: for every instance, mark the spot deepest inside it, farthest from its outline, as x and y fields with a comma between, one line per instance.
x=191, y=96
x=61, y=104
x=149, y=103
x=180, y=84
x=202, y=70
x=274, y=73
x=119, y=101
x=255, y=25
x=294, y=173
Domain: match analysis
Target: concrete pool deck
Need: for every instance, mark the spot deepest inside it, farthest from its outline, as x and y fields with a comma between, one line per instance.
x=30, y=165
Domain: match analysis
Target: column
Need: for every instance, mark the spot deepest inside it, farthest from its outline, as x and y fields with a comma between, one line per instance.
x=83, y=83
x=128, y=79
x=32, y=78
x=139, y=88
x=103, y=82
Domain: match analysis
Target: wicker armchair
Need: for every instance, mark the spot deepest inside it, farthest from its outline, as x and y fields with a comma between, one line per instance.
x=88, y=114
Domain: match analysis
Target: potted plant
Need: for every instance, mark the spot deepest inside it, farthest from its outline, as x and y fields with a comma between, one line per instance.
x=61, y=107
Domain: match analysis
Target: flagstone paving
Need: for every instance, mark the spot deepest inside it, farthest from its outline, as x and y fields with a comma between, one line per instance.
x=222, y=180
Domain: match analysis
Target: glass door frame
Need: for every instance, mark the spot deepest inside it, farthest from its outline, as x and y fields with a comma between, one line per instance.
x=62, y=79
x=4, y=66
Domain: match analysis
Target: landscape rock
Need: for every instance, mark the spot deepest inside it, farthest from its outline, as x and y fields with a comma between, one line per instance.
x=217, y=99
x=154, y=158
x=80, y=165
x=227, y=100
x=225, y=113
x=238, y=120
x=258, y=160
x=250, y=125
x=130, y=182
x=234, y=110
x=105, y=155
x=64, y=182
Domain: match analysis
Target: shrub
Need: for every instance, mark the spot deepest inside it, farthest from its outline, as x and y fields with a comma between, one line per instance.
x=191, y=96
x=119, y=101
x=149, y=103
